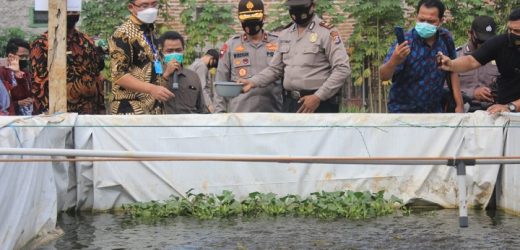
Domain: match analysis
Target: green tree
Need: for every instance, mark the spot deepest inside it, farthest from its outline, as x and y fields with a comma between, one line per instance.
x=373, y=35
x=9, y=33
x=205, y=23
x=102, y=17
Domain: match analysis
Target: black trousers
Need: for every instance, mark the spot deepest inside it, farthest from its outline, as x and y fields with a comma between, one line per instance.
x=291, y=105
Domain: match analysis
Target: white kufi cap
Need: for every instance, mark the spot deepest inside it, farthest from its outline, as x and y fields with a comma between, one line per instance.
x=43, y=5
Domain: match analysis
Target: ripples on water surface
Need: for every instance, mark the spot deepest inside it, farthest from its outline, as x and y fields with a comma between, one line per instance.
x=432, y=229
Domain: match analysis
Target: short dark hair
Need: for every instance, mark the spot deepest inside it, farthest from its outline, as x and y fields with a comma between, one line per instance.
x=14, y=43
x=515, y=15
x=171, y=35
x=213, y=53
x=433, y=4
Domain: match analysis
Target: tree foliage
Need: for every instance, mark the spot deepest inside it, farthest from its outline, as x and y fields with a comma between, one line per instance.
x=373, y=35
x=9, y=33
x=206, y=24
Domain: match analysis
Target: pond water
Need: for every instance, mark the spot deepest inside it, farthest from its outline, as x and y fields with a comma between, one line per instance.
x=426, y=229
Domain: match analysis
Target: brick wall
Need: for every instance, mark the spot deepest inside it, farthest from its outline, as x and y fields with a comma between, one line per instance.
x=175, y=8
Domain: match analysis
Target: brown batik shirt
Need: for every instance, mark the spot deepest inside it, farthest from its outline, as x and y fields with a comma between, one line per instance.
x=84, y=81
x=131, y=53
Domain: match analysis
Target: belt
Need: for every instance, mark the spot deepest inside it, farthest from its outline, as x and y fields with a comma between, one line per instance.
x=297, y=94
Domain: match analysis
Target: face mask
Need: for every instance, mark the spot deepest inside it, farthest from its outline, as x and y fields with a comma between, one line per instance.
x=24, y=64
x=148, y=16
x=425, y=30
x=476, y=42
x=252, y=27
x=71, y=21
x=179, y=57
x=515, y=40
x=212, y=64
x=301, y=15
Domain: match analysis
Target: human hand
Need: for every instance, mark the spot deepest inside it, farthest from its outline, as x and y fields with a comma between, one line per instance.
x=13, y=63
x=171, y=67
x=160, y=93
x=401, y=52
x=309, y=104
x=459, y=109
x=25, y=102
x=443, y=62
x=497, y=108
x=248, y=85
x=483, y=94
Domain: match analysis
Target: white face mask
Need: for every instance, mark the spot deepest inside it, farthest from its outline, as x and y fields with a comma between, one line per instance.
x=148, y=15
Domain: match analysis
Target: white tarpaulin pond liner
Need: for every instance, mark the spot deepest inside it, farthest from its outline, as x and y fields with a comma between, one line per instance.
x=28, y=191
x=32, y=193
x=107, y=185
x=509, y=188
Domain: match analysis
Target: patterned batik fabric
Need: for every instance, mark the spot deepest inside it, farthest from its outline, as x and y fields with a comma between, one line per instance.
x=417, y=84
x=130, y=53
x=84, y=81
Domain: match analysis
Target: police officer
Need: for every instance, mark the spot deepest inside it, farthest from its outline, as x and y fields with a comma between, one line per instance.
x=478, y=84
x=312, y=60
x=247, y=54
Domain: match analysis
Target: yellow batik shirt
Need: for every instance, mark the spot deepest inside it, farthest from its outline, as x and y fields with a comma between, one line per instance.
x=132, y=53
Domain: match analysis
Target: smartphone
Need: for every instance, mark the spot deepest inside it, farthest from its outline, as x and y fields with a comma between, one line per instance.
x=399, y=33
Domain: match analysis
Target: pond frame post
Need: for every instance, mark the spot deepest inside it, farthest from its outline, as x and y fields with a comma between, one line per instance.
x=460, y=165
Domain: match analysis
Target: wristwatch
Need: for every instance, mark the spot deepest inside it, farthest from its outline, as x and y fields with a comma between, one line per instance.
x=511, y=106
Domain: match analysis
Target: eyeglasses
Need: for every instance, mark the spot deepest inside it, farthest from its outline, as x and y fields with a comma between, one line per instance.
x=146, y=5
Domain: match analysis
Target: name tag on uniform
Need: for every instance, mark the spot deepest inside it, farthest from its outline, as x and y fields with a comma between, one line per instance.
x=240, y=55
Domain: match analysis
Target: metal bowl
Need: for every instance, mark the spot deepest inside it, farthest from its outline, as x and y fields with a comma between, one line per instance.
x=228, y=89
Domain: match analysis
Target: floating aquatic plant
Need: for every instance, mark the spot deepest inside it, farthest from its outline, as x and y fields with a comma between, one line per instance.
x=323, y=205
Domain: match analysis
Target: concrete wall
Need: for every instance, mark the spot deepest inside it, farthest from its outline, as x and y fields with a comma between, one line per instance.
x=17, y=14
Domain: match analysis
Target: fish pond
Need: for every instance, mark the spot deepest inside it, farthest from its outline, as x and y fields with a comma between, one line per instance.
x=264, y=221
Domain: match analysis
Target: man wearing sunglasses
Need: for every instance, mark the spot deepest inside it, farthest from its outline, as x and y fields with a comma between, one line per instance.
x=478, y=85
x=135, y=63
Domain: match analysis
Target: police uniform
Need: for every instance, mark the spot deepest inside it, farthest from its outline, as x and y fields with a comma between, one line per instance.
x=315, y=62
x=484, y=76
x=242, y=58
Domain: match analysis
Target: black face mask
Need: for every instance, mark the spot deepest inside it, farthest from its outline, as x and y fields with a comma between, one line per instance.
x=252, y=27
x=476, y=42
x=24, y=64
x=515, y=40
x=301, y=15
x=71, y=21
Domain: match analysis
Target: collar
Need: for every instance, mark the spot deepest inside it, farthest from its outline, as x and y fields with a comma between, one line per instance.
x=265, y=38
x=312, y=24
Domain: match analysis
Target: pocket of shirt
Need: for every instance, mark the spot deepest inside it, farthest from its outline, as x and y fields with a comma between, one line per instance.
x=310, y=55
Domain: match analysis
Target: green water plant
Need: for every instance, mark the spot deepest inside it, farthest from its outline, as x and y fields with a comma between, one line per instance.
x=323, y=205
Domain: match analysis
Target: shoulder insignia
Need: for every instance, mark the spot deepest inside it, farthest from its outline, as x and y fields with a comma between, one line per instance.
x=336, y=38
x=272, y=47
x=223, y=50
x=326, y=25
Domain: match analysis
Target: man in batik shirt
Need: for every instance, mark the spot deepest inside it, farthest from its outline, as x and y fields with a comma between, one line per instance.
x=135, y=63
x=84, y=64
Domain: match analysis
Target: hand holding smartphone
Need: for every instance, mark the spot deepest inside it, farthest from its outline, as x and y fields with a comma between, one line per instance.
x=399, y=33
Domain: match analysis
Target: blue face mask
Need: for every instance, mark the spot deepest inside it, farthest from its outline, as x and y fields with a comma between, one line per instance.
x=425, y=30
x=179, y=57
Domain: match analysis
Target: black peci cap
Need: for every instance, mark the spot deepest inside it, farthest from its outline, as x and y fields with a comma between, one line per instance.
x=484, y=27
x=298, y=2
